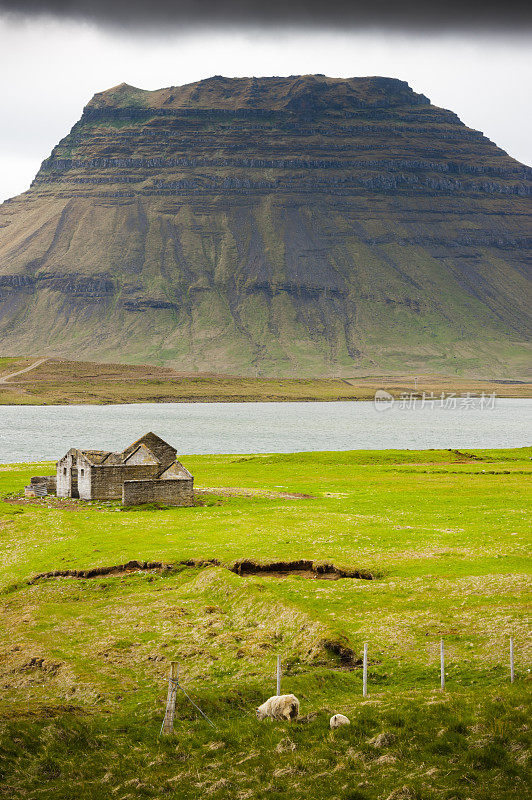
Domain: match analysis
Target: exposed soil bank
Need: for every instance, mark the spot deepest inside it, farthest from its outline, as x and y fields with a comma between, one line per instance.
x=311, y=569
x=308, y=569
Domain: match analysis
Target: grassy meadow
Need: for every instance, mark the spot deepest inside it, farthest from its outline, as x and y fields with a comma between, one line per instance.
x=84, y=662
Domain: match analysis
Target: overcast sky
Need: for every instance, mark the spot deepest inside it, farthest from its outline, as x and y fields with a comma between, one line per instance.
x=51, y=66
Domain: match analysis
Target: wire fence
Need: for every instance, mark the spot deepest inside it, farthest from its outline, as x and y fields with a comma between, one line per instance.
x=439, y=664
x=428, y=657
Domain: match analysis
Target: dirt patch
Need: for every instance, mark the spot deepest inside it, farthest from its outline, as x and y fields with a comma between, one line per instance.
x=232, y=491
x=38, y=664
x=50, y=501
x=467, y=456
x=70, y=504
x=38, y=711
x=340, y=648
x=307, y=569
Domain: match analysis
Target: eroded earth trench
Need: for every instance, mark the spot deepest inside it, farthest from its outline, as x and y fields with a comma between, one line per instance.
x=315, y=570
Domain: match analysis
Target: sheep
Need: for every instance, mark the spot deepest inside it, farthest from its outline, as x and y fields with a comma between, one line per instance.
x=338, y=719
x=282, y=706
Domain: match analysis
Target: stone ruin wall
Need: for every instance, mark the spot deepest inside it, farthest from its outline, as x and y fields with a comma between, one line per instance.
x=169, y=492
x=107, y=482
x=48, y=481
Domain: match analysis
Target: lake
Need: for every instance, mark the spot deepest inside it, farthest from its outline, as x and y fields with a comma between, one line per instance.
x=38, y=433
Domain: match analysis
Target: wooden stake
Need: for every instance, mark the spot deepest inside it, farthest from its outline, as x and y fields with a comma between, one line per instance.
x=511, y=659
x=168, y=722
x=278, y=675
x=365, y=672
x=442, y=665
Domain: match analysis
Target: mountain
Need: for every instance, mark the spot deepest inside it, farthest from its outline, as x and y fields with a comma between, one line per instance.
x=277, y=226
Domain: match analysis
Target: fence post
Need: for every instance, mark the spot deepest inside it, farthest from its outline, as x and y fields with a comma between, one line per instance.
x=442, y=665
x=365, y=672
x=511, y=659
x=168, y=721
x=278, y=675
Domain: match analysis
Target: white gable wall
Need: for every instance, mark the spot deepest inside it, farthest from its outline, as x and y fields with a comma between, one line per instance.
x=63, y=473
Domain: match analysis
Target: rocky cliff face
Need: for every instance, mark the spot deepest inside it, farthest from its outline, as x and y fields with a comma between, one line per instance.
x=302, y=225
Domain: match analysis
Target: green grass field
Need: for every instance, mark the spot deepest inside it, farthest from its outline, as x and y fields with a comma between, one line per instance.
x=84, y=662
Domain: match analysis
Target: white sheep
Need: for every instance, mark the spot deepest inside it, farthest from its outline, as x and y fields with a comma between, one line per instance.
x=282, y=706
x=338, y=719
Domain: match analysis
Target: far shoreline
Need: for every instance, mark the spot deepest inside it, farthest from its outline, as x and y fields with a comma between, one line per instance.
x=245, y=401
x=43, y=381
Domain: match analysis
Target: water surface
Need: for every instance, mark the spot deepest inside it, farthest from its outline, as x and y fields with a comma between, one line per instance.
x=37, y=433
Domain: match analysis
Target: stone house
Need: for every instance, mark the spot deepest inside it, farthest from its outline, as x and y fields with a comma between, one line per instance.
x=146, y=471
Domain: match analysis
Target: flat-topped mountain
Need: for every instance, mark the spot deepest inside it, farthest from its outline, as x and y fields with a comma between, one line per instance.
x=291, y=226
x=297, y=93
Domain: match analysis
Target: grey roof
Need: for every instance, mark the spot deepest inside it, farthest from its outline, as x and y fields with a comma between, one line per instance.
x=94, y=456
x=163, y=452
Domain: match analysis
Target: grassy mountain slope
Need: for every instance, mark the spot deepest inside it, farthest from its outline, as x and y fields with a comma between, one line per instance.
x=275, y=226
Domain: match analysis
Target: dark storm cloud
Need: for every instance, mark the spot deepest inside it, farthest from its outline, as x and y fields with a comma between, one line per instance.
x=420, y=14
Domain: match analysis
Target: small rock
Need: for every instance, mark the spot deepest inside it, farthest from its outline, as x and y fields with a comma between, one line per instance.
x=308, y=717
x=386, y=758
x=285, y=745
x=383, y=740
